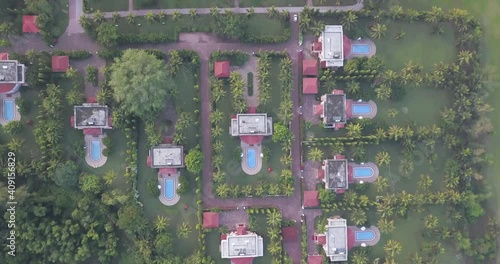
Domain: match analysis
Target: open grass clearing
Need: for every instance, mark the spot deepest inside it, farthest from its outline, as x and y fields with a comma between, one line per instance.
x=171, y=4
x=276, y=3
x=263, y=25
x=107, y=6
x=334, y=2
x=61, y=14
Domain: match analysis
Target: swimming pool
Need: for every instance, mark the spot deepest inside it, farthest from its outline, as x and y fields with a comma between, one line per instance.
x=361, y=109
x=365, y=235
x=360, y=49
x=251, y=158
x=95, y=150
x=169, y=191
x=9, y=108
x=362, y=172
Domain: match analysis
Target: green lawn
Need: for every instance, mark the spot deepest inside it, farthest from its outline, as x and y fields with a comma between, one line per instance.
x=61, y=17
x=261, y=24
x=261, y=229
x=107, y=6
x=276, y=3
x=170, y=4
x=334, y=2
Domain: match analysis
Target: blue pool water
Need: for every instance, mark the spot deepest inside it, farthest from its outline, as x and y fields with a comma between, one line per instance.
x=8, y=110
x=251, y=158
x=365, y=235
x=360, y=49
x=361, y=109
x=362, y=172
x=169, y=191
x=95, y=150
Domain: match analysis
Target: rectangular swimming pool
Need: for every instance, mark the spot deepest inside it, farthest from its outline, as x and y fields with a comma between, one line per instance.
x=360, y=49
x=365, y=235
x=361, y=109
x=251, y=163
x=9, y=109
x=362, y=172
x=169, y=191
x=95, y=150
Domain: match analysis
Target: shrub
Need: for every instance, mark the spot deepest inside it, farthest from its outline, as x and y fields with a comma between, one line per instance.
x=13, y=127
x=74, y=54
x=194, y=161
x=235, y=57
x=152, y=186
x=184, y=185
x=250, y=83
x=22, y=106
x=109, y=54
x=91, y=74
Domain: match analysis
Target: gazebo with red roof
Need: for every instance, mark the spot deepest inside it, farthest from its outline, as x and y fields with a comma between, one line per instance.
x=347, y=46
x=311, y=199
x=310, y=85
x=92, y=131
x=29, y=24
x=60, y=63
x=210, y=220
x=316, y=259
x=310, y=67
x=289, y=233
x=4, y=56
x=222, y=69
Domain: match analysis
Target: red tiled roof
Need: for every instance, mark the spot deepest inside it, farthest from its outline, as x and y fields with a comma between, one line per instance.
x=72, y=121
x=318, y=259
x=110, y=121
x=348, y=108
x=223, y=237
x=60, y=63
x=339, y=125
x=317, y=46
x=310, y=67
x=4, y=56
x=167, y=171
x=340, y=191
x=289, y=233
x=6, y=87
x=242, y=260
x=91, y=100
x=310, y=85
x=311, y=198
x=318, y=109
x=241, y=230
x=252, y=109
x=167, y=140
x=321, y=239
x=92, y=131
x=252, y=140
x=323, y=64
x=350, y=178
x=29, y=24
x=149, y=161
x=350, y=238
x=339, y=157
x=337, y=91
x=210, y=220
x=347, y=46
x=321, y=174
x=222, y=69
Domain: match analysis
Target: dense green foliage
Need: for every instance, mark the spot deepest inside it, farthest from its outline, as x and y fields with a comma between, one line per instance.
x=194, y=161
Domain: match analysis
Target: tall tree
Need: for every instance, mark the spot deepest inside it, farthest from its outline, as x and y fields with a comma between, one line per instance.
x=107, y=35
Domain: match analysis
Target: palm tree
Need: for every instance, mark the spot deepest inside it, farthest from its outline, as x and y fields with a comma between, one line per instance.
x=222, y=190
x=161, y=223
x=131, y=18
x=71, y=73
x=273, y=233
x=161, y=16
x=358, y=217
x=396, y=11
x=389, y=77
x=183, y=230
x=192, y=13
x=392, y=112
x=359, y=257
x=424, y=183
x=349, y=20
x=434, y=16
x=358, y=152
x=84, y=21
x=392, y=248
x=315, y=154
x=274, y=218
x=150, y=16
x=318, y=28
x=384, y=92
x=98, y=16
x=216, y=117
x=109, y=177
x=214, y=11
x=274, y=247
x=5, y=28
x=218, y=146
x=385, y=225
x=15, y=144
x=250, y=11
x=383, y=158
x=74, y=97
x=378, y=30
x=247, y=190
x=353, y=87
x=431, y=222
x=305, y=23
x=395, y=132
x=400, y=35
x=464, y=57
x=354, y=130
x=415, y=258
x=176, y=15
x=272, y=12
x=115, y=17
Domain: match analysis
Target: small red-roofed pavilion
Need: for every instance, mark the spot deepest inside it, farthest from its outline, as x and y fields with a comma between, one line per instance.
x=311, y=199
x=317, y=259
x=310, y=67
x=310, y=85
x=222, y=69
x=4, y=56
x=210, y=220
x=347, y=46
x=60, y=63
x=29, y=24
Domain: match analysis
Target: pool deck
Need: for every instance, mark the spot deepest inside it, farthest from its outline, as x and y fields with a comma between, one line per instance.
x=258, y=158
x=17, y=115
x=370, y=115
x=370, y=179
x=88, y=155
x=367, y=243
x=161, y=182
x=369, y=42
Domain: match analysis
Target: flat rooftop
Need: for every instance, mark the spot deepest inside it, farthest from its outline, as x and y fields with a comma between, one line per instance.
x=166, y=155
x=242, y=246
x=336, y=240
x=336, y=174
x=91, y=116
x=251, y=124
x=11, y=71
x=334, y=108
x=333, y=46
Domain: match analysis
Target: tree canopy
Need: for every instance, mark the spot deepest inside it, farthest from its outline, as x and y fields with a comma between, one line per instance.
x=194, y=161
x=140, y=83
x=66, y=174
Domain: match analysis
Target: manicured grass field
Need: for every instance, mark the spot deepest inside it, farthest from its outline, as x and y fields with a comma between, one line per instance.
x=261, y=24
x=107, y=6
x=276, y=3
x=168, y=4
x=334, y=2
x=61, y=17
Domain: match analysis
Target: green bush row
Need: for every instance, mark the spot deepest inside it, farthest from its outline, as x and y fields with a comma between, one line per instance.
x=250, y=83
x=74, y=54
